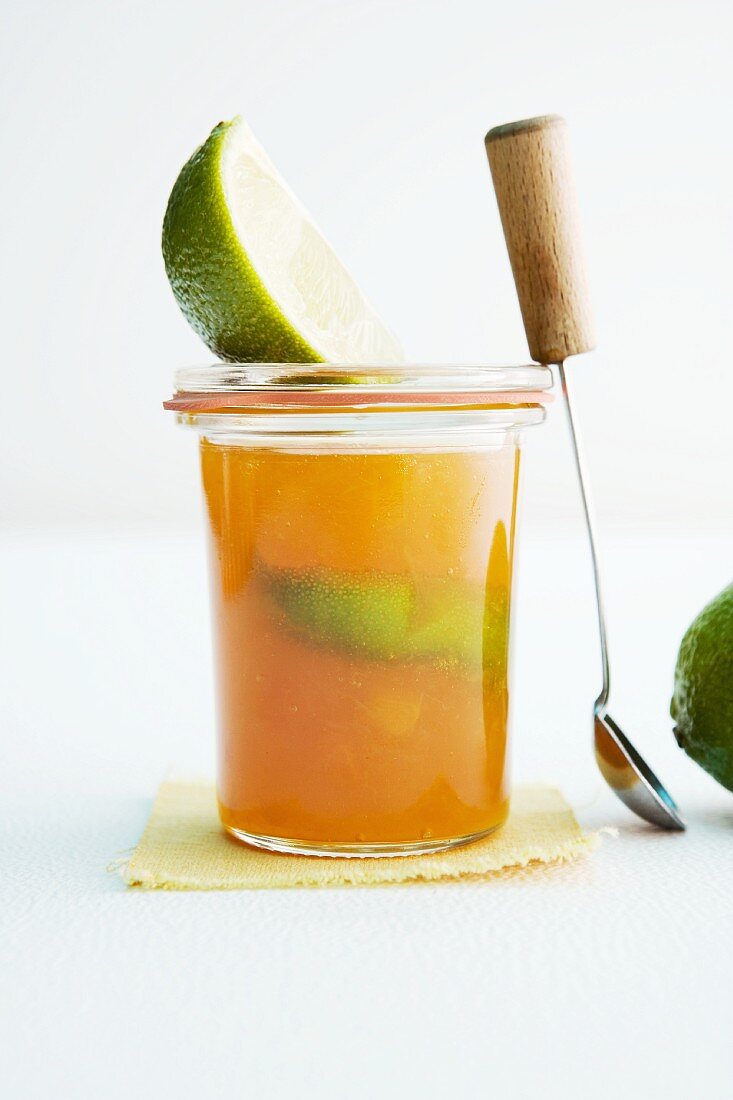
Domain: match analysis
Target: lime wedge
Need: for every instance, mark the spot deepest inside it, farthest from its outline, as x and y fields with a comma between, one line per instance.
x=253, y=275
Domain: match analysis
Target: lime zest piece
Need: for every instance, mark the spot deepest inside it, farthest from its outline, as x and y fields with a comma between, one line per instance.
x=390, y=617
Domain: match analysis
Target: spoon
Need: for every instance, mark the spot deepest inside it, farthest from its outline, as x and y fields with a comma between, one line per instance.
x=530, y=167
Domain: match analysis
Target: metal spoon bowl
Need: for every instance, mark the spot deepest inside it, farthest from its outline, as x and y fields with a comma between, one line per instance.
x=630, y=777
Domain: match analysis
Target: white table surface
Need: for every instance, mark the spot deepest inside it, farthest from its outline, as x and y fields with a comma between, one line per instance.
x=608, y=978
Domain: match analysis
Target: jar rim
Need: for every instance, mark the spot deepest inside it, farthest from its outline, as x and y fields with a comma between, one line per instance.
x=237, y=385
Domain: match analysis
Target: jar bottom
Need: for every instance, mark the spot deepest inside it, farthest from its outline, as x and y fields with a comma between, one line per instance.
x=285, y=846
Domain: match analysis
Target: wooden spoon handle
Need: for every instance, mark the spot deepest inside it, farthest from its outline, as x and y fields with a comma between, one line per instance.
x=530, y=167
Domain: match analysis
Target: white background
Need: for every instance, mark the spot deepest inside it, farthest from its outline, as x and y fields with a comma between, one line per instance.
x=375, y=113
x=610, y=978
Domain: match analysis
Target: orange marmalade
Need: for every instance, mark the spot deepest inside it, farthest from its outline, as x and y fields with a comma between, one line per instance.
x=361, y=614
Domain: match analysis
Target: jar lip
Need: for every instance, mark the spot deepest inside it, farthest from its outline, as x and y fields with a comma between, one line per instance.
x=362, y=384
x=405, y=427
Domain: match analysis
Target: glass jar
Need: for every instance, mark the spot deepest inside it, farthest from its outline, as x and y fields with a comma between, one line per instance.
x=362, y=526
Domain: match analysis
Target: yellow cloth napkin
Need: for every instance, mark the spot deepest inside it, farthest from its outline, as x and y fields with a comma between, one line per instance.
x=185, y=848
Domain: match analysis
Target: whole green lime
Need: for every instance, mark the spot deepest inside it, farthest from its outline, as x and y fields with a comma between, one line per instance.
x=702, y=703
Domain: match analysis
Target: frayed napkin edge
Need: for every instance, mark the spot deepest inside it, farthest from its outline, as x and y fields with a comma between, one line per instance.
x=531, y=860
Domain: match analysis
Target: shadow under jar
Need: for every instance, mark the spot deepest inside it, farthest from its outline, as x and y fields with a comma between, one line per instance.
x=362, y=525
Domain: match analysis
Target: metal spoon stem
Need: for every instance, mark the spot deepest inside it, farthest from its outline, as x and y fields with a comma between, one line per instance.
x=590, y=523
